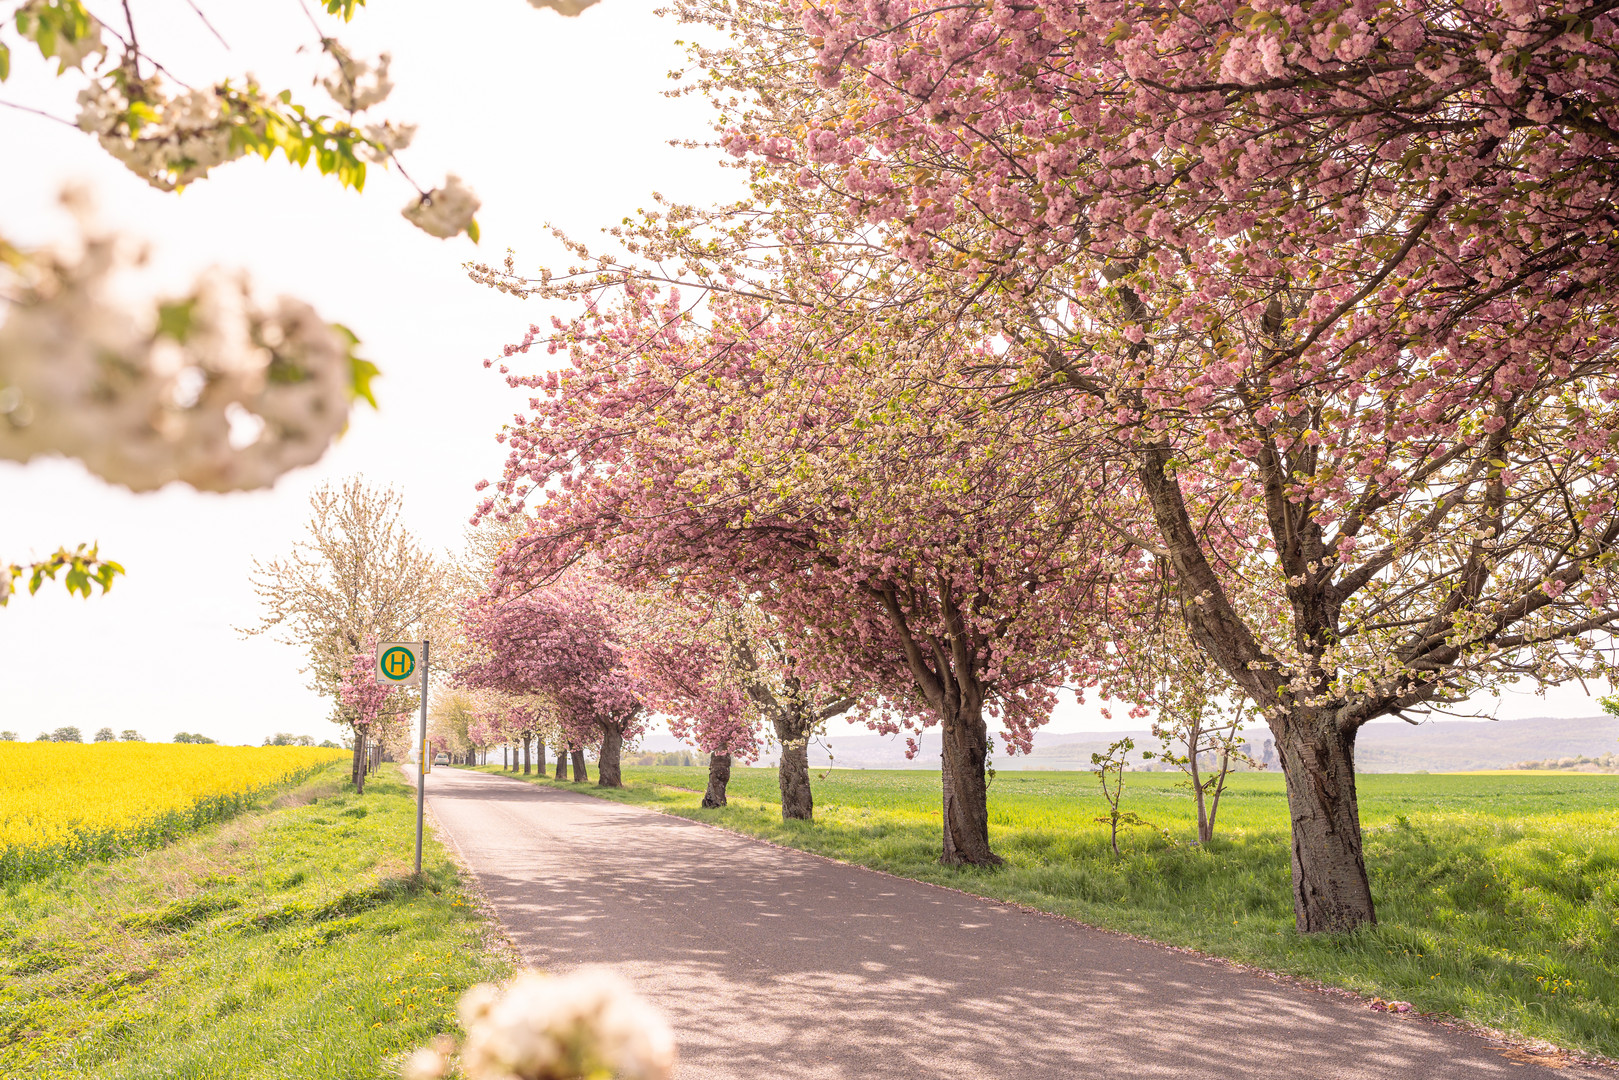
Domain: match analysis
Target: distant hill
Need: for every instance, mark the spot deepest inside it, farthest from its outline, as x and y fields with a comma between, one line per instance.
x=1436, y=746
x=1460, y=745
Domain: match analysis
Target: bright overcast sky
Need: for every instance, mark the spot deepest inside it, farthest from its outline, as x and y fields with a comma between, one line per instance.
x=548, y=119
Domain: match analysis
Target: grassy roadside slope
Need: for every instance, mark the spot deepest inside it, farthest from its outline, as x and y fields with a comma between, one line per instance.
x=288, y=942
x=1498, y=896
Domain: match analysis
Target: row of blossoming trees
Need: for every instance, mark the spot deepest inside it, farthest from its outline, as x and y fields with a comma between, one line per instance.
x=1051, y=335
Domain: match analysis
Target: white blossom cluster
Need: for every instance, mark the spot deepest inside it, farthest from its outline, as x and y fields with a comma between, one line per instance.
x=584, y=1024
x=69, y=52
x=181, y=140
x=357, y=85
x=444, y=212
x=569, y=8
x=224, y=394
x=386, y=139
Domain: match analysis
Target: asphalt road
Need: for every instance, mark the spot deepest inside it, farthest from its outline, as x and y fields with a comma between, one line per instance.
x=776, y=965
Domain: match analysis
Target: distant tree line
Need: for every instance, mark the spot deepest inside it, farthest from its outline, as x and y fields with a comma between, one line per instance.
x=1601, y=763
x=663, y=757
x=69, y=733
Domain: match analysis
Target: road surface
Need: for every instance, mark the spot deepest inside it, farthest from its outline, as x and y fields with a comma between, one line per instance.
x=777, y=965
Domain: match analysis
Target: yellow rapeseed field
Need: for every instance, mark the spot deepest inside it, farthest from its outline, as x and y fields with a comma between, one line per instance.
x=64, y=802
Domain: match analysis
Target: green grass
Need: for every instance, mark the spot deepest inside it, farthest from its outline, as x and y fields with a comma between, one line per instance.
x=1497, y=895
x=289, y=943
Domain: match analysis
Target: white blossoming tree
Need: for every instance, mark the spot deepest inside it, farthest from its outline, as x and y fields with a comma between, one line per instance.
x=219, y=388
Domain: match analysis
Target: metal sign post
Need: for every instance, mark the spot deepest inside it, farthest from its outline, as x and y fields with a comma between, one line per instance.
x=404, y=663
x=421, y=773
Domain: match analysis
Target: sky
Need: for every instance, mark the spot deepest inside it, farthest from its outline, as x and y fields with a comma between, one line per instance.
x=549, y=120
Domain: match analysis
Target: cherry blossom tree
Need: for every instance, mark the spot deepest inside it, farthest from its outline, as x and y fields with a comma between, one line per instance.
x=1335, y=286
x=451, y=714
x=926, y=564
x=565, y=641
x=371, y=710
x=679, y=663
x=360, y=575
x=482, y=734
x=218, y=387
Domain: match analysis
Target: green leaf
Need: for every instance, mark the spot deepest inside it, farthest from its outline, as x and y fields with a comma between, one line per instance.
x=361, y=372
x=5, y=62
x=84, y=565
x=472, y=230
x=139, y=113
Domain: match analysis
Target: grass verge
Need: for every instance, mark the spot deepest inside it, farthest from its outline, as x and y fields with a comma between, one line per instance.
x=1498, y=896
x=289, y=942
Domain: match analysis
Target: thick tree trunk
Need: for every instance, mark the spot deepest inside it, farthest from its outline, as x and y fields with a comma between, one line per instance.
x=525, y=756
x=562, y=763
x=793, y=774
x=719, y=774
x=580, y=776
x=607, y=767
x=1331, y=893
x=539, y=756
x=965, y=787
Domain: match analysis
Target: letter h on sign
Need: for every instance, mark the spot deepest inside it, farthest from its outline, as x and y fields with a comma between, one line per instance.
x=399, y=663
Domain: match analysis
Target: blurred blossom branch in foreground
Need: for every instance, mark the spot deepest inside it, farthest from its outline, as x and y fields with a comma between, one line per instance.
x=589, y=1023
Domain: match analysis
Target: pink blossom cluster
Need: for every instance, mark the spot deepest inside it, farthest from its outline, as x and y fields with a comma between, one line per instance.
x=369, y=704
x=562, y=642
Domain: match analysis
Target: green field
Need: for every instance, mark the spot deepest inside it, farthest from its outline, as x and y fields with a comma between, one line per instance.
x=288, y=943
x=1498, y=895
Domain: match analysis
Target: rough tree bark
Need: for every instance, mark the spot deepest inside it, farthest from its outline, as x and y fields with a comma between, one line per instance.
x=562, y=762
x=580, y=776
x=608, y=774
x=539, y=756
x=793, y=774
x=945, y=669
x=719, y=774
x=965, y=786
x=1331, y=891
x=525, y=756
x=794, y=716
